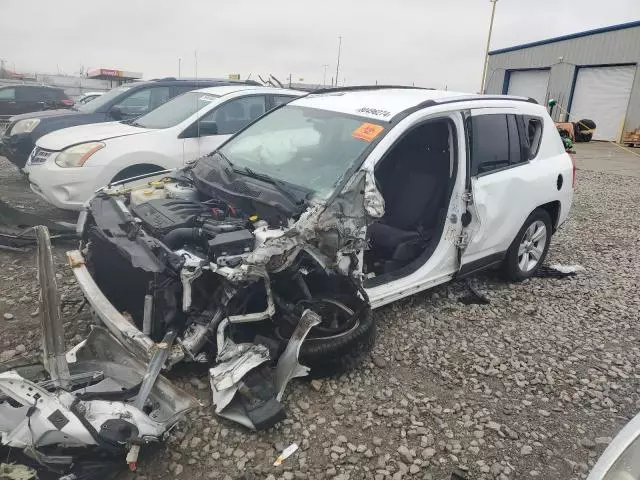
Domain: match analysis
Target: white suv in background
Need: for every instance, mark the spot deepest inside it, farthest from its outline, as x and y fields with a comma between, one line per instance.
x=67, y=166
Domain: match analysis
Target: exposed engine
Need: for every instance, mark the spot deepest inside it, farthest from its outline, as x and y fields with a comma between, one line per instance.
x=224, y=279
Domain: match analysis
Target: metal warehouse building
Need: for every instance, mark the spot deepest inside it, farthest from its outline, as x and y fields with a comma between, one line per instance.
x=591, y=74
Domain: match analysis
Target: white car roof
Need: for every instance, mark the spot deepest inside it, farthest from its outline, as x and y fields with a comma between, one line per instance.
x=227, y=89
x=384, y=103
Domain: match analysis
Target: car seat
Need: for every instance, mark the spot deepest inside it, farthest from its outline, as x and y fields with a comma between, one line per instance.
x=414, y=187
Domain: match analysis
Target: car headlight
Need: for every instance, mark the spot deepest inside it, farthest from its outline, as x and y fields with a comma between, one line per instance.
x=25, y=126
x=77, y=155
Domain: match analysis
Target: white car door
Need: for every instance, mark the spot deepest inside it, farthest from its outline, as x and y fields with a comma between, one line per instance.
x=219, y=124
x=503, y=186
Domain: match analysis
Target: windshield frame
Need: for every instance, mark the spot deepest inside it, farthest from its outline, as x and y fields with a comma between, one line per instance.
x=194, y=116
x=98, y=106
x=357, y=162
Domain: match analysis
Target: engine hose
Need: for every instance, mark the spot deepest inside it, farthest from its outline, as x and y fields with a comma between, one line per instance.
x=178, y=237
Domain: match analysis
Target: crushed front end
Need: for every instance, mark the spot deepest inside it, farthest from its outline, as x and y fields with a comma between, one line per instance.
x=259, y=287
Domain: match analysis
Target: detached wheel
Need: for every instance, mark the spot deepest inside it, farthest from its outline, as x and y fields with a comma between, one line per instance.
x=529, y=248
x=347, y=333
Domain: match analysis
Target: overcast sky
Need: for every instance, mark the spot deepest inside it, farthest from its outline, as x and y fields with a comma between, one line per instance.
x=431, y=43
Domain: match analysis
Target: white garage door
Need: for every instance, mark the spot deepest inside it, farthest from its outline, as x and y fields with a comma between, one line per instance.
x=602, y=94
x=531, y=83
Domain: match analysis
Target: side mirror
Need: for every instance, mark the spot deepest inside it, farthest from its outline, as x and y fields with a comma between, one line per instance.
x=116, y=113
x=200, y=129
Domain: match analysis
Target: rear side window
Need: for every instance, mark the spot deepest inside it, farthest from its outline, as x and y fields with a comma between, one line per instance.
x=497, y=141
x=280, y=99
x=516, y=152
x=489, y=143
x=29, y=94
x=531, y=133
x=7, y=94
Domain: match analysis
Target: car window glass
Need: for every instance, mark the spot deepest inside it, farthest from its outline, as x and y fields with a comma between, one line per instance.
x=7, y=94
x=103, y=100
x=280, y=99
x=144, y=100
x=49, y=95
x=29, y=94
x=236, y=114
x=515, y=146
x=176, y=110
x=180, y=89
x=533, y=136
x=489, y=143
x=308, y=147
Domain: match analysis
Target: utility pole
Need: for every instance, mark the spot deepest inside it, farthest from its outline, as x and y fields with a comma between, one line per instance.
x=324, y=76
x=338, y=62
x=289, y=80
x=486, y=53
x=179, y=65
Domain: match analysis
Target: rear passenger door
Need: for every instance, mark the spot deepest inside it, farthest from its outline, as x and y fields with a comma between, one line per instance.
x=499, y=184
x=8, y=105
x=29, y=99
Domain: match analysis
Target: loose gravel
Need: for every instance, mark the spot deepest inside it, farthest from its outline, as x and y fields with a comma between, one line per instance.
x=533, y=385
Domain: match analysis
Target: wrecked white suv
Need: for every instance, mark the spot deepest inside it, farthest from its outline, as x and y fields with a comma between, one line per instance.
x=265, y=257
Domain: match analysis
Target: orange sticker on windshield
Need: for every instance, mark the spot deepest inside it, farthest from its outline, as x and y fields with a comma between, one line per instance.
x=367, y=131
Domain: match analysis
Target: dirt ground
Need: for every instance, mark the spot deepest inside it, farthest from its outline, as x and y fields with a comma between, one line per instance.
x=533, y=385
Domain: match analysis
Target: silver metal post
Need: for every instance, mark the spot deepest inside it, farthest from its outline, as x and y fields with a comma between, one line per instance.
x=53, y=345
x=486, y=53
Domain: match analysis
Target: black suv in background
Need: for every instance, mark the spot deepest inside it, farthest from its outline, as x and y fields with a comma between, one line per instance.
x=17, y=99
x=122, y=103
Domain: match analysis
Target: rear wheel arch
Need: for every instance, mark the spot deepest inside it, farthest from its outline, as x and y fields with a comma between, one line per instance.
x=553, y=209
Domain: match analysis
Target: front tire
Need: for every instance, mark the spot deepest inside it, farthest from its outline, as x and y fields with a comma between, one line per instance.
x=529, y=249
x=335, y=348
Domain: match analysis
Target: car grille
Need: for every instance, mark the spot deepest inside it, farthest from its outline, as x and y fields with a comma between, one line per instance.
x=39, y=155
x=4, y=123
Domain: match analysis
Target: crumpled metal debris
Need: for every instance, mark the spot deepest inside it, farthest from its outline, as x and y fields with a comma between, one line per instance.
x=237, y=361
x=338, y=227
x=288, y=365
x=94, y=397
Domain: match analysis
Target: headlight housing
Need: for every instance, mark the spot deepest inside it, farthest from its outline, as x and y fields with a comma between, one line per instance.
x=25, y=126
x=77, y=155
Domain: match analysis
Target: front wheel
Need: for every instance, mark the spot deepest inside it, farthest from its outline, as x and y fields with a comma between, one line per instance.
x=347, y=334
x=529, y=248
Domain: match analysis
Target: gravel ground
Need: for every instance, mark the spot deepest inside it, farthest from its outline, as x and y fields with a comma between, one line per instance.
x=533, y=385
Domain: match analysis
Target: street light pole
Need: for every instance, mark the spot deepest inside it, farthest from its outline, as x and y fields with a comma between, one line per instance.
x=486, y=53
x=179, y=62
x=324, y=77
x=338, y=62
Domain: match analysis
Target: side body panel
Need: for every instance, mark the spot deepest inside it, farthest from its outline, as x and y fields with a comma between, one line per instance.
x=503, y=199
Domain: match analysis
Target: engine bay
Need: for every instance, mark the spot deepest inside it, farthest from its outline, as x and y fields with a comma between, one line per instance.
x=238, y=289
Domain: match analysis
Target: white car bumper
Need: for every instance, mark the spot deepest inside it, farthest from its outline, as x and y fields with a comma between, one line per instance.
x=66, y=188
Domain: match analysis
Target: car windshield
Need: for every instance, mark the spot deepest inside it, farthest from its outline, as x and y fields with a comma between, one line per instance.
x=94, y=105
x=302, y=146
x=175, y=111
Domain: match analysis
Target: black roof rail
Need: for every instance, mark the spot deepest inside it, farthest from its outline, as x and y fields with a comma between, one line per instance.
x=367, y=87
x=218, y=80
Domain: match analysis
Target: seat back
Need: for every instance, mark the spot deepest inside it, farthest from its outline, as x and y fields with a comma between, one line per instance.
x=416, y=184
